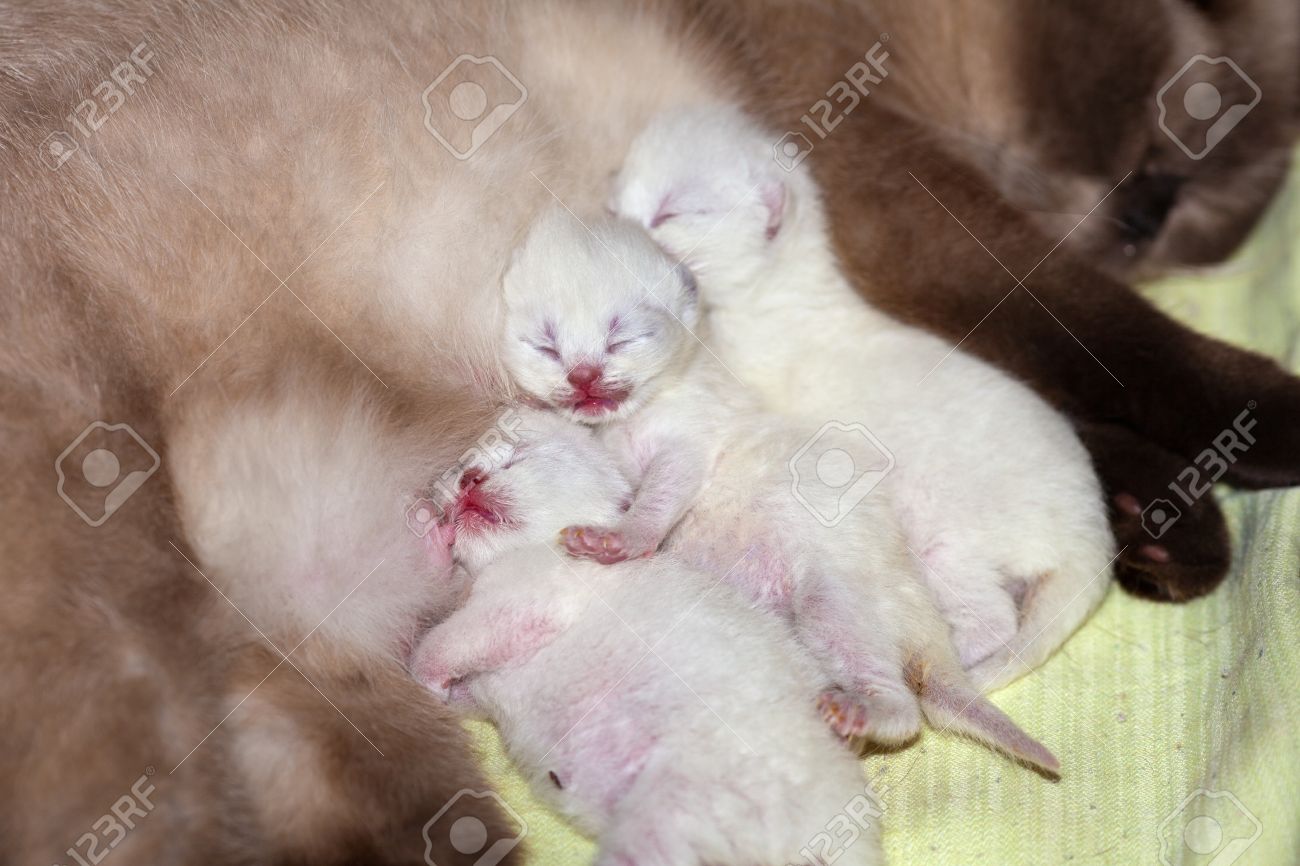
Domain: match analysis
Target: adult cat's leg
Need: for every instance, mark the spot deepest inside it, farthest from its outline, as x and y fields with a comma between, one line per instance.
x=1171, y=550
x=1089, y=344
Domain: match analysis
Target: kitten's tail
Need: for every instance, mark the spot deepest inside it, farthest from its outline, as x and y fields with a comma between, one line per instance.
x=951, y=702
x=1054, y=606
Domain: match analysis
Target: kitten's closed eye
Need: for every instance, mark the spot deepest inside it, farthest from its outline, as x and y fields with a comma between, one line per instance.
x=546, y=349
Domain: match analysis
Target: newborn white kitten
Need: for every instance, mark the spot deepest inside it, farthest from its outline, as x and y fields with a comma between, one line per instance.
x=604, y=300
x=996, y=495
x=661, y=712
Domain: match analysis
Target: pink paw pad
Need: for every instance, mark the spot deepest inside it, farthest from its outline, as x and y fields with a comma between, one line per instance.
x=605, y=546
x=846, y=714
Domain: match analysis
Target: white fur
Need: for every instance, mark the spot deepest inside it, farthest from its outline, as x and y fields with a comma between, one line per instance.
x=678, y=722
x=295, y=500
x=697, y=440
x=996, y=495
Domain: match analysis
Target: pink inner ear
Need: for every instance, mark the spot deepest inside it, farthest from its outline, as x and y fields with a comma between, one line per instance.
x=663, y=213
x=773, y=196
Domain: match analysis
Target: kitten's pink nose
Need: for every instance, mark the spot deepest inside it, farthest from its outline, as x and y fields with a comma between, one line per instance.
x=583, y=375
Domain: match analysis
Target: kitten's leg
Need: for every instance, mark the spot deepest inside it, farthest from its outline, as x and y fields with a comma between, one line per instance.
x=981, y=615
x=1102, y=353
x=671, y=483
x=486, y=634
x=857, y=637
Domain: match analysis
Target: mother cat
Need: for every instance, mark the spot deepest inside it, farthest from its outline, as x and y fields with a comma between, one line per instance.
x=254, y=202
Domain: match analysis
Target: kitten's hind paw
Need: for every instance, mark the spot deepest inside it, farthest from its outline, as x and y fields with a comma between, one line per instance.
x=882, y=718
x=606, y=546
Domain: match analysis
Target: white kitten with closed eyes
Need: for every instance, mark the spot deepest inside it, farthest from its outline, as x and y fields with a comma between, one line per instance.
x=710, y=470
x=994, y=490
x=661, y=712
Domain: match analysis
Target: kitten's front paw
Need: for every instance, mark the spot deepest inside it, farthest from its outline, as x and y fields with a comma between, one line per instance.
x=436, y=676
x=605, y=546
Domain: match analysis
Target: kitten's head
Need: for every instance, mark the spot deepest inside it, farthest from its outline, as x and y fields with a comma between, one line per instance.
x=703, y=182
x=555, y=474
x=597, y=317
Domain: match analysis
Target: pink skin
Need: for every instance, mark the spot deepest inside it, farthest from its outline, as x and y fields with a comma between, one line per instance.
x=671, y=481
x=437, y=543
x=1129, y=504
x=843, y=712
x=481, y=638
x=591, y=395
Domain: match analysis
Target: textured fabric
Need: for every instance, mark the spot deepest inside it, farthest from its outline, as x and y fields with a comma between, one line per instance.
x=1147, y=705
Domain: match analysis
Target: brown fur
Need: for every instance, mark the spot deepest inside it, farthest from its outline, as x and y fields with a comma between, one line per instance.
x=118, y=283
x=127, y=294
x=1008, y=115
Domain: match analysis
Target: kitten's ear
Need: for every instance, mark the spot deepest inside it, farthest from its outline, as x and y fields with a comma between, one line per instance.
x=690, y=288
x=772, y=192
x=510, y=274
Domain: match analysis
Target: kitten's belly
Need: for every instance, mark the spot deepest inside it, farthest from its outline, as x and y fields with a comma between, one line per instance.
x=585, y=723
x=742, y=546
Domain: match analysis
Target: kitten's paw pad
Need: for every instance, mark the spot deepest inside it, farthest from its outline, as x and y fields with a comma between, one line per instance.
x=879, y=717
x=844, y=713
x=606, y=546
x=434, y=673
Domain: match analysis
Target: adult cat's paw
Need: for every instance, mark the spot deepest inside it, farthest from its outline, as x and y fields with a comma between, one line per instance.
x=602, y=544
x=1172, y=551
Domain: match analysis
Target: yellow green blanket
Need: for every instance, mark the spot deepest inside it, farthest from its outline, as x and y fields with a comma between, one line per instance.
x=1175, y=725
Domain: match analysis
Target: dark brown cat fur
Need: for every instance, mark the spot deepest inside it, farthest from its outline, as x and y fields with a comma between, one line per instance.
x=1019, y=119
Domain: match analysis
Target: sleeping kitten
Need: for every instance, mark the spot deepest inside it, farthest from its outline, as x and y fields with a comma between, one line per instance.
x=660, y=712
x=1024, y=139
x=599, y=326
x=996, y=496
